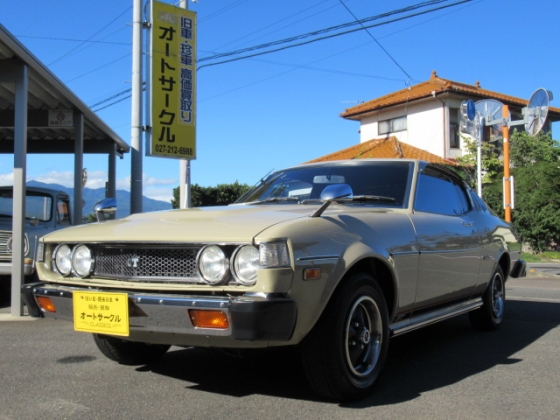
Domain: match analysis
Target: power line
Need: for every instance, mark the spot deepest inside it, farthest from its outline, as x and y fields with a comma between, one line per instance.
x=329, y=36
x=376, y=41
x=325, y=30
x=82, y=43
x=360, y=22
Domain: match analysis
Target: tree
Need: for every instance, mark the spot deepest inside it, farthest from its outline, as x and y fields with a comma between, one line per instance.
x=220, y=195
x=534, y=163
x=491, y=162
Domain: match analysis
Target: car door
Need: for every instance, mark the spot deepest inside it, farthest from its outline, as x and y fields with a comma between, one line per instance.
x=448, y=240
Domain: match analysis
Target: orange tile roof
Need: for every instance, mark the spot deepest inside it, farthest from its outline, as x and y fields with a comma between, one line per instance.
x=438, y=85
x=384, y=148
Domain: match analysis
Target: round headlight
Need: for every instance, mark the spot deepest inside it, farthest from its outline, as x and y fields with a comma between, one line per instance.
x=82, y=261
x=62, y=259
x=10, y=243
x=246, y=264
x=213, y=264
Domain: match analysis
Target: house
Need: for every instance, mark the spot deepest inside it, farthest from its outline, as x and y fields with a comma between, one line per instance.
x=427, y=115
x=389, y=147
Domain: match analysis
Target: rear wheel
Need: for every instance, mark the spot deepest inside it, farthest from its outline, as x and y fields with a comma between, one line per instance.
x=490, y=315
x=129, y=352
x=345, y=352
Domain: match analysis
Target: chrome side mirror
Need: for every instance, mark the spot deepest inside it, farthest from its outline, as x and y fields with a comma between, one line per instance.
x=331, y=193
x=334, y=191
x=105, y=208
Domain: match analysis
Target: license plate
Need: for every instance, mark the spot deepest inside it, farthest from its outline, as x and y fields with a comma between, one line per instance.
x=101, y=313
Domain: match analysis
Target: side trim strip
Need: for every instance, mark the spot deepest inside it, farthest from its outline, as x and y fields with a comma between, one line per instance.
x=433, y=317
x=319, y=257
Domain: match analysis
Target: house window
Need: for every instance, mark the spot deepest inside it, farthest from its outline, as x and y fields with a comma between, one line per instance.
x=454, y=132
x=392, y=125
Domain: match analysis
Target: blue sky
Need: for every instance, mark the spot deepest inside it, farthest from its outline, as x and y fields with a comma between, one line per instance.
x=283, y=108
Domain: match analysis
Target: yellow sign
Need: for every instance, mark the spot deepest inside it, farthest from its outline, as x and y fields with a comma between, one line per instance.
x=173, y=82
x=101, y=313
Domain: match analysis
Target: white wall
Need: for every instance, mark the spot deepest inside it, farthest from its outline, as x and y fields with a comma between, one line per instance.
x=425, y=126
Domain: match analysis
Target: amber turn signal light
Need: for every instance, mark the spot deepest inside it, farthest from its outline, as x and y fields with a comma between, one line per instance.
x=46, y=304
x=209, y=319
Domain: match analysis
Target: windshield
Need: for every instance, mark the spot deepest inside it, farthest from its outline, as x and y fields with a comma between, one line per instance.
x=38, y=206
x=384, y=179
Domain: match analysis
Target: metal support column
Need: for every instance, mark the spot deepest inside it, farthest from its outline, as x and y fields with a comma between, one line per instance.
x=136, y=116
x=20, y=156
x=78, y=203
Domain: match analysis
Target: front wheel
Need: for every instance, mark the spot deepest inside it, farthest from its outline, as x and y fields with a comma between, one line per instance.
x=490, y=315
x=129, y=352
x=345, y=352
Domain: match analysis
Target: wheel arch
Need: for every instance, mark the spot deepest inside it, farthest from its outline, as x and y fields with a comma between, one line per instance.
x=505, y=263
x=381, y=273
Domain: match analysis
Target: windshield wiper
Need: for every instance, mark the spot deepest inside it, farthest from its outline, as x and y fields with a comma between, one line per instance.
x=364, y=198
x=277, y=200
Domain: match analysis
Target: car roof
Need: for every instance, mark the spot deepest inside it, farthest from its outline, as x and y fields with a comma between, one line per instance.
x=49, y=191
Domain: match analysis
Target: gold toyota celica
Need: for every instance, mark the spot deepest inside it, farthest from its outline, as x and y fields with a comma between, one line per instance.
x=334, y=257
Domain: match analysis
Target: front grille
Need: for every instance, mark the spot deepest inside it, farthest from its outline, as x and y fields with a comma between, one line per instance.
x=5, y=252
x=143, y=264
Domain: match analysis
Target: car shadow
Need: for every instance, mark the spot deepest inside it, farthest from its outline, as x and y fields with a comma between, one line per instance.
x=418, y=362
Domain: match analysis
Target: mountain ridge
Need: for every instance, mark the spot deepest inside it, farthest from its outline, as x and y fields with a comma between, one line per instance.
x=92, y=196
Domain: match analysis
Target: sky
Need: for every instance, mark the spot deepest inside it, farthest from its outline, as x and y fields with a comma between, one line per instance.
x=280, y=109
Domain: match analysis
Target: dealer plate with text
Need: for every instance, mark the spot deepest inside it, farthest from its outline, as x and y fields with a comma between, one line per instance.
x=101, y=312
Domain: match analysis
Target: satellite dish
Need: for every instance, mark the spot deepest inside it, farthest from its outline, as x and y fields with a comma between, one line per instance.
x=537, y=111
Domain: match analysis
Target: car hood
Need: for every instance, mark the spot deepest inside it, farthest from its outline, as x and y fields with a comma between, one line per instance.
x=235, y=223
x=6, y=224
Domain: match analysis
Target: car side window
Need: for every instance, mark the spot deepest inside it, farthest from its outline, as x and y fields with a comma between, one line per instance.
x=438, y=193
x=62, y=212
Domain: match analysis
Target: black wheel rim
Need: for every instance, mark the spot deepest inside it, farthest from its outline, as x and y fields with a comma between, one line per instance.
x=498, y=299
x=364, y=336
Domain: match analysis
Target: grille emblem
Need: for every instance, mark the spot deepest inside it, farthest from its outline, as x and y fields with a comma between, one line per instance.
x=133, y=261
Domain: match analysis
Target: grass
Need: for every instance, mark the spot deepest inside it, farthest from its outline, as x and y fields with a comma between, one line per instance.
x=544, y=257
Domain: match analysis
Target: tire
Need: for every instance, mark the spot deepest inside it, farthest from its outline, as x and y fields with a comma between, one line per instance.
x=344, y=353
x=129, y=352
x=490, y=315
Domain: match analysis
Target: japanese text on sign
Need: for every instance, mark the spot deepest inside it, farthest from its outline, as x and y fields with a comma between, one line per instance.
x=101, y=312
x=173, y=77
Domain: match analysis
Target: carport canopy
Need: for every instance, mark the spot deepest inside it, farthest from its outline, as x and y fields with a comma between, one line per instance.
x=39, y=114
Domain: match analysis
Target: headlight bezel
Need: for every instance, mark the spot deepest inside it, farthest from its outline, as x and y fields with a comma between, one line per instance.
x=76, y=251
x=243, y=264
x=65, y=258
x=203, y=266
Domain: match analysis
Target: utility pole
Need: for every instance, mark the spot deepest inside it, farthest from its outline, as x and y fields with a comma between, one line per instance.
x=184, y=164
x=136, y=116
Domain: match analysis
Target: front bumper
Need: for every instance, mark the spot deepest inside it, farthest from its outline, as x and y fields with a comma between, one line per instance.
x=519, y=269
x=6, y=268
x=164, y=318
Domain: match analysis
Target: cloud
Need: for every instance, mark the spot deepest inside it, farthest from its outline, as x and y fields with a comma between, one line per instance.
x=161, y=194
x=7, y=179
x=63, y=178
x=154, y=188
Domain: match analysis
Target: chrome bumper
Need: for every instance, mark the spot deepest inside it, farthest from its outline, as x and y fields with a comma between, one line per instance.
x=6, y=268
x=251, y=318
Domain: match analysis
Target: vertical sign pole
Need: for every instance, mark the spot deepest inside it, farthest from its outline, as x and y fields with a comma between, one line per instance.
x=136, y=117
x=507, y=179
x=480, y=132
x=184, y=164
